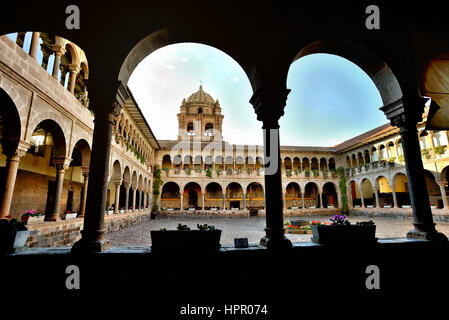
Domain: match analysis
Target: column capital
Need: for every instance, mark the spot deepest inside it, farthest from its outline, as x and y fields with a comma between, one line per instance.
x=58, y=49
x=74, y=68
x=269, y=104
x=127, y=184
x=118, y=182
x=15, y=148
x=61, y=163
x=403, y=116
x=85, y=171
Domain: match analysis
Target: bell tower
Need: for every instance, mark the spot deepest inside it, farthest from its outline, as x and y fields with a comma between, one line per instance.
x=200, y=118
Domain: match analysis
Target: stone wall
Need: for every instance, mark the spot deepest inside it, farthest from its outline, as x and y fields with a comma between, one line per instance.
x=398, y=213
x=66, y=233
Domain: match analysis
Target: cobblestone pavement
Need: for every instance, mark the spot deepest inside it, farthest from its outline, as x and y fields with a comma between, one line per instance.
x=252, y=228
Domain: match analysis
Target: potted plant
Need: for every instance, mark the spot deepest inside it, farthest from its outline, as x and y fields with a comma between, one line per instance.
x=13, y=235
x=288, y=172
x=433, y=205
x=32, y=217
x=342, y=231
x=206, y=238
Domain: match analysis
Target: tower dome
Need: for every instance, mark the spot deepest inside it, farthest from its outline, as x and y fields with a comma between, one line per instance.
x=200, y=97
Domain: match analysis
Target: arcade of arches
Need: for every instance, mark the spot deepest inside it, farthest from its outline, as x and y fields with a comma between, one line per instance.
x=47, y=134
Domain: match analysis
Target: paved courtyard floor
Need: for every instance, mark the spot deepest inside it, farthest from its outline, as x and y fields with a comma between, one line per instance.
x=252, y=228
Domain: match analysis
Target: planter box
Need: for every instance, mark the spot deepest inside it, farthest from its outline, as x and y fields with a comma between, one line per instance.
x=387, y=207
x=300, y=231
x=110, y=212
x=330, y=207
x=12, y=241
x=35, y=220
x=433, y=207
x=314, y=207
x=343, y=234
x=191, y=209
x=71, y=216
x=213, y=209
x=294, y=208
x=370, y=206
x=356, y=206
x=406, y=207
x=299, y=223
x=194, y=240
x=122, y=211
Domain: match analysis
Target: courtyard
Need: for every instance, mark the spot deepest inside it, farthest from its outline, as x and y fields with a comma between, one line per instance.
x=251, y=228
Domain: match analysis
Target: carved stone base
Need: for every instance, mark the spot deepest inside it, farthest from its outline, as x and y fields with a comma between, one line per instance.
x=275, y=243
x=423, y=235
x=86, y=247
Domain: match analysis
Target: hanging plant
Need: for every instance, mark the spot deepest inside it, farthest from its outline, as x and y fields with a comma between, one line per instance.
x=157, y=182
x=342, y=184
x=288, y=172
x=209, y=172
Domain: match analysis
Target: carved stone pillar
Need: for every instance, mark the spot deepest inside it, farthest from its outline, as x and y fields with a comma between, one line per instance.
x=59, y=52
x=376, y=195
x=441, y=184
x=34, y=44
x=134, y=198
x=13, y=150
x=127, y=186
x=405, y=114
x=94, y=229
x=84, y=195
x=393, y=192
x=61, y=164
x=244, y=201
x=321, y=200
x=72, y=80
x=117, y=184
x=302, y=200
x=269, y=104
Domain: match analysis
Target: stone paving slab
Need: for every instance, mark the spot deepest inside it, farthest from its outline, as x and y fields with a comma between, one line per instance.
x=252, y=228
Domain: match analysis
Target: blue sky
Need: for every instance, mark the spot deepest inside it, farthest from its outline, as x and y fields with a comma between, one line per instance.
x=331, y=100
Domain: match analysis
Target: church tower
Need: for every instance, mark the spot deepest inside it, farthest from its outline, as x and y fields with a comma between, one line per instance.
x=200, y=118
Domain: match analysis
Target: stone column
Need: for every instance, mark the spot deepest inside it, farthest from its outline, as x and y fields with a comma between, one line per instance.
x=127, y=186
x=302, y=198
x=134, y=198
x=244, y=201
x=59, y=52
x=117, y=184
x=362, y=199
x=284, y=202
x=84, y=195
x=13, y=150
x=224, y=201
x=34, y=44
x=376, y=195
x=181, y=207
x=321, y=200
x=339, y=202
x=61, y=164
x=72, y=80
x=393, y=192
x=94, y=229
x=268, y=105
x=405, y=114
x=443, y=193
x=202, y=200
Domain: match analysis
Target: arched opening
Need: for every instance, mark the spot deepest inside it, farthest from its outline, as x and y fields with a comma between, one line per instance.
x=296, y=164
x=170, y=196
x=360, y=159
x=287, y=164
x=332, y=165
x=77, y=171
x=323, y=164
x=433, y=189
x=306, y=164
x=229, y=165
x=367, y=157
x=311, y=196
x=192, y=196
x=209, y=130
x=374, y=153
x=348, y=162
x=166, y=162
x=187, y=162
x=239, y=163
x=126, y=191
x=198, y=164
x=385, y=192
x=214, y=196
x=355, y=194
x=391, y=151
x=400, y=182
x=293, y=196
x=368, y=193
x=234, y=196
x=255, y=197
x=330, y=198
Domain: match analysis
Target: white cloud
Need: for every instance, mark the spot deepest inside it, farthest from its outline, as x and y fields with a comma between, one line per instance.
x=183, y=59
x=235, y=79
